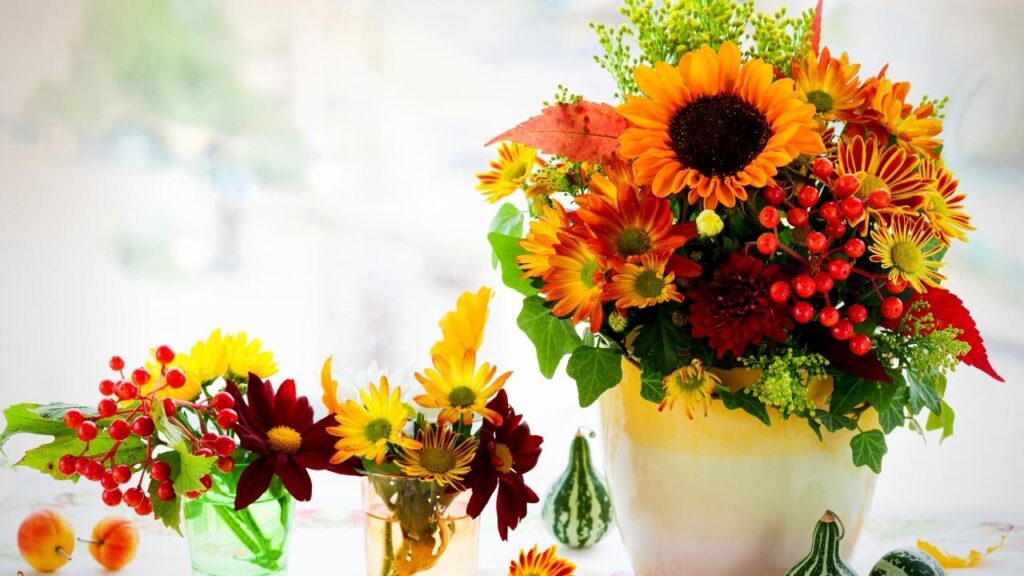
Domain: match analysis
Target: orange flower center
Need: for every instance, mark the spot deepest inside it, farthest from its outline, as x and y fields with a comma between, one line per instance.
x=718, y=135
x=284, y=439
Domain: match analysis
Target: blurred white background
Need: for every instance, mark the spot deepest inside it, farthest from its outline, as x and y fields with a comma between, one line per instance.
x=304, y=171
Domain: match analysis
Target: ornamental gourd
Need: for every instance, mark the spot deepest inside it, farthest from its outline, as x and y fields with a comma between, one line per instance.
x=907, y=562
x=577, y=508
x=824, y=559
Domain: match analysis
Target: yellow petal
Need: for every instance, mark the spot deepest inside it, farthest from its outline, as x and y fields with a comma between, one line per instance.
x=463, y=328
x=330, y=387
x=973, y=558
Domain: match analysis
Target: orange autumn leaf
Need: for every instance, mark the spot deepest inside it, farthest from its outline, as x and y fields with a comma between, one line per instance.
x=582, y=132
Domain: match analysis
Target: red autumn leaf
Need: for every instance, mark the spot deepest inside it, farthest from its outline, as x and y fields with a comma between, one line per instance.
x=582, y=132
x=816, y=28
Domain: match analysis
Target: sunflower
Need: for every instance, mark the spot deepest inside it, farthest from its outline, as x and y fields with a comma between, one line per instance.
x=715, y=126
x=915, y=129
x=575, y=281
x=831, y=85
x=944, y=206
x=691, y=384
x=907, y=250
x=247, y=357
x=541, y=240
x=366, y=429
x=459, y=388
x=643, y=284
x=537, y=563
x=882, y=167
x=441, y=458
x=508, y=173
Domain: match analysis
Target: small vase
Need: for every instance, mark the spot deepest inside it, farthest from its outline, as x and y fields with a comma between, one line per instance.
x=417, y=527
x=249, y=542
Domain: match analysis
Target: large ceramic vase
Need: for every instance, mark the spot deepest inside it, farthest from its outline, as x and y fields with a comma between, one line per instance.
x=724, y=495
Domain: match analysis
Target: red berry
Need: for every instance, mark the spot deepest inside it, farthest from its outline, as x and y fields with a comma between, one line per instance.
x=804, y=286
x=116, y=363
x=164, y=354
x=835, y=228
x=206, y=452
x=208, y=439
x=108, y=482
x=769, y=217
x=95, y=471
x=66, y=464
x=145, y=508
x=774, y=194
x=828, y=316
x=829, y=211
x=82, y=465
x=823, y=282
x=107, y=407
x=226, y=418
x=106, y=387
x=225, y=446
x=169, y=406
x=175, y=378
x=860, y=344
x=845, y=185
x=843, y=330
x=126, y=390
x=72, y=418
x=896, y=285
x=852, y=208
x=817, y=242
x=193, y=494
x=165, y=490
x=112, y=497
x=892, y=308
x=808, y=196
x=225, y=464
x=223, y=400
x=767, y=243
x=140, y=376
x=797, y=217
x=206, y=481
x=133, y=497
x=822, y=168
x=803, y=312
x=839, y=269
x=780, y=291
x=87, y=431
x=857, y=313
x=122, y=473
x=854, y=248
x=880, y=199
x=160, y=470
x=143, y=426
x=119, y=430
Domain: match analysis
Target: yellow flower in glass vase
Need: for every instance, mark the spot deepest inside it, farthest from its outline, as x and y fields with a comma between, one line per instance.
x=944, y=205
x=366, y=430
x=830, y=84
x=691, y=385
x=441, y=458
x=204, y=363
x=189, y=392
x=715, y=126
x=907, y=249
x=537, y=563
x=508, y=173
x=460, y=389
x=643, y=284
x=463, y=328
x=245, y=356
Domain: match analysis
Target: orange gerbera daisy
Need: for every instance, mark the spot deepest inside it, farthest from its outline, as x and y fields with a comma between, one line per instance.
x=831, y=85
x=944, y=207
x=537, y=563
x=714, y=126
x=643, y=284
x=915, y=129
x=576, y=281
x=890, y=168
x=541, y=240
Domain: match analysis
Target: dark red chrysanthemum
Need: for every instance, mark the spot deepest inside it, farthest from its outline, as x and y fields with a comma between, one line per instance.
x=734, y=309
x=506, y=453
x=279, y=428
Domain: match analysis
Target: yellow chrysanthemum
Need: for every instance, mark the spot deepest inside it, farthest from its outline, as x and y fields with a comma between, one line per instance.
x=508, y=173
x=831, y=85
x=365, y=430
x=441, y=458
x=463, y=328
x=944, y=205
x=460, y=389
x=643, y=284
x=541, y=240
x=715, y=126
x=245, y=356
x=536, y=563
x=189, y=392
x=906, y=249
x=914, y=128
x=692, y=385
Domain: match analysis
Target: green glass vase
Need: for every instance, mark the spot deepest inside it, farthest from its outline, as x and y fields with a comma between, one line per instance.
x=249, y=542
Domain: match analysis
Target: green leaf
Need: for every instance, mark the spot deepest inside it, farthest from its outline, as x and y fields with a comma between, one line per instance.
x=835, y=422
x=167, y=511
x=883, y=394
x=506, y=249
x=746, y=402
x=849, y=392
x=652, y=388
x=659, y=342
x=892, y=417
x=816, y=427
x=942, y=421
x=553, y=337
x=508, y=221
x=594, y=370
x=190, y=469
x=923, y=393
x=23, y=419
x=868, y=449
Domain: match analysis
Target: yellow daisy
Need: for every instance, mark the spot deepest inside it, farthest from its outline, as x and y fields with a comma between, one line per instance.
x=537, y=563
x=944, y=205
x=247, y=356
x=643, y=284
x=189, y=392
x=906, y=249
x=692, y=385
x=460, y=389
x=204, y=363
x=508, y=173
x=441, y=458
x=365, y=430
x=831, y=85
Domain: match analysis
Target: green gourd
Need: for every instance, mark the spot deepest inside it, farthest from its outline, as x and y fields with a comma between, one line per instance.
x=577, y=508
x=907, y=562
x=824, y=559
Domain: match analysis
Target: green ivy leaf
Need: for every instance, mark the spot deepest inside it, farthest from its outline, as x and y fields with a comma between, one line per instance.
x=652, y=388
x=659, y=341
x=942, y=421
x=508, y=221
x=553, y=337
x=594, y=370
x=167, y=511
x=746, y=402
x=892, y=417
x=835, y=422
x=506, y=248
x=923, y=393
x=816, y=427
x=849, y=392
x=190, y=469
x=883, y=394
x=868, y=449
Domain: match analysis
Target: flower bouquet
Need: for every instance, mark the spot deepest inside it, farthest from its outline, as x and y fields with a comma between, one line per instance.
x=756, y=226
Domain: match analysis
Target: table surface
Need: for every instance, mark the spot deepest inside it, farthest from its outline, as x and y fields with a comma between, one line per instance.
x=327, y=536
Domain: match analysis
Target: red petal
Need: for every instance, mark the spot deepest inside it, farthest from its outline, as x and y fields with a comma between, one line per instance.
x=295, y=477
x=254, y=481
x=261, y=400
x=583, y=132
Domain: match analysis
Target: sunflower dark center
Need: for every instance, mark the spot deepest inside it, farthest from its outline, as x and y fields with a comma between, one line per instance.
x=633, y=242
x=649, y=285
x=718, y=135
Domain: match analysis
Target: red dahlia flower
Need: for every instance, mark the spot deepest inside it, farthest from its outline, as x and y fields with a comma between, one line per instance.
x=734, y=309
x=280, y=430
x=506, y=453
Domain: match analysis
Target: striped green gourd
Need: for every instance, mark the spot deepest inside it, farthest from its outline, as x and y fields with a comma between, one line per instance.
x=824, y=559
x=907, y=562
x=577, y=508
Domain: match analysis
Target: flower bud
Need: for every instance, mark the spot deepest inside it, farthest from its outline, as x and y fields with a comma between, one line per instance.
x=709, y=223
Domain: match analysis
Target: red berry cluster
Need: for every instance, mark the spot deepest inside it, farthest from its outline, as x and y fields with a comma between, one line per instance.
x=830, y=255
x=125, y=411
